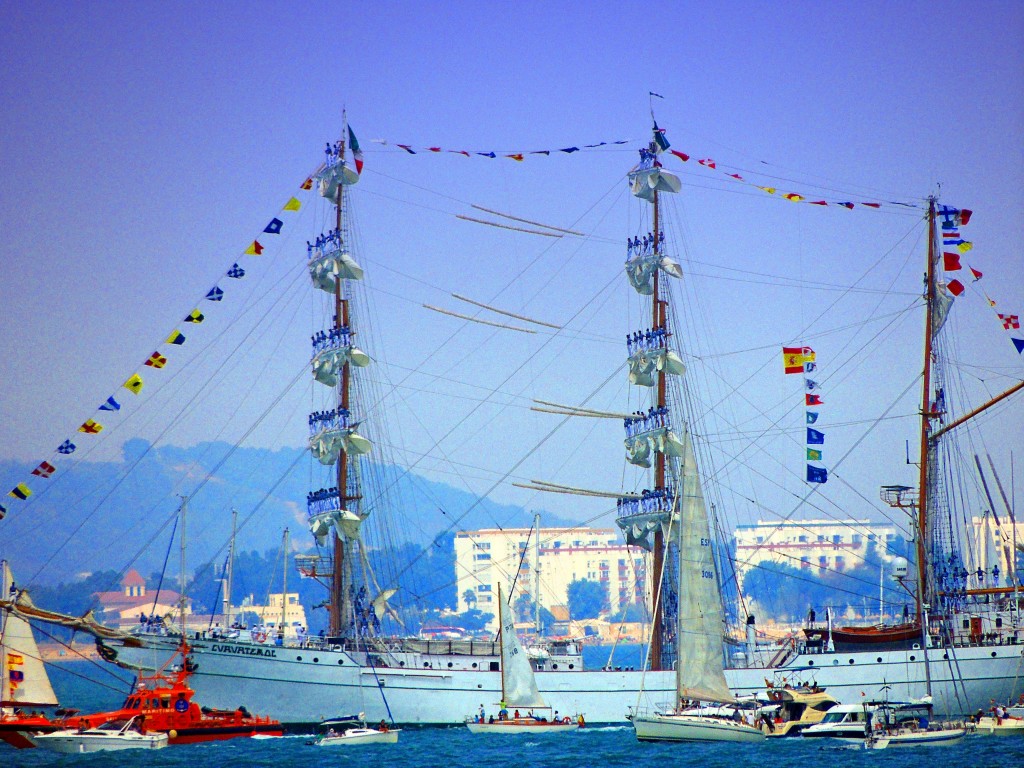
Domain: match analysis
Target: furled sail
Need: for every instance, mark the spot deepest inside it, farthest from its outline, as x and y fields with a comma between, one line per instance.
x=327, y=444
x=644, y=365
x=335, y=175
x=518, y=684
x=23, y=678
x=701, y=625
x=644, y=182
x=327, y=268
x=640, y=270
x=344, y=522
x=327, y=364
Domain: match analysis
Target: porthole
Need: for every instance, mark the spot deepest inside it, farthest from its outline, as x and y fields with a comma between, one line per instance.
x=478, y=685
x=993, y=654
x=298, y=658
x=401, y=663
x=879, y=659
x=810, y=663
x=913, y=658
x=851, y=661
x=554, y=666
x=341, y=661
x=835, y=662
x=945, y=656
x=426, y=665
x=316, y=660
x=572, y=666
x=449, y=665
x=474, y=665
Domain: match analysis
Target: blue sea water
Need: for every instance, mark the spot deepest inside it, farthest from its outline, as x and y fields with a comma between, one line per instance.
x=418, y=747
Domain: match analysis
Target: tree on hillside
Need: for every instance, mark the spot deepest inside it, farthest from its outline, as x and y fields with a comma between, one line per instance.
x=587, y=599
x=469, y=598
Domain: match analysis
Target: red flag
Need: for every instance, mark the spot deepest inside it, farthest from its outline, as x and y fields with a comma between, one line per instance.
x=707, y=161
x=681, y=155
x=955, y=287
x=46, y=468
x=976, y=273
x=735, y=176
x=965, y=216
x=434, y=149
x=813, y=400
x=950, y=261
x=307, y=184
x=1010, y=322
x=817, y=202
x=872, y=205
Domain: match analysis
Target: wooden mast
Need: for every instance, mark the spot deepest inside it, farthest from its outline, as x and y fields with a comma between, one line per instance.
x=338, y=606
x=923, y=499
x=658, y=560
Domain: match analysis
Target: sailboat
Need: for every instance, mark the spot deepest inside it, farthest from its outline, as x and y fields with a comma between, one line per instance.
x=959, y=647
x=530, y=712
x=24, y=684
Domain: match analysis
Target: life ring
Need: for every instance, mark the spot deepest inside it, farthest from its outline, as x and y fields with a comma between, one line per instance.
x=566, y=720
x=259, y=637
x=775, y=695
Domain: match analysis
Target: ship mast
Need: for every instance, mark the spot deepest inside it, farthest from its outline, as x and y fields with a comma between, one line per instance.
x=339, y=603
x=924, y=480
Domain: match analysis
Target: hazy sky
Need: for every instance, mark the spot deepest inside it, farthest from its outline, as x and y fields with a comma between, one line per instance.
x=145, y=144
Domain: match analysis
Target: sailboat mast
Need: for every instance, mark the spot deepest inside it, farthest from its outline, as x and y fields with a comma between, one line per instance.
x=284, y=587
x=181, y=597
x=231, y=570
x=339, y=607
x=924, y=498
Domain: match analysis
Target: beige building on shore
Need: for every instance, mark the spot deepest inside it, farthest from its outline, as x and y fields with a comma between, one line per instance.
x=485, y=558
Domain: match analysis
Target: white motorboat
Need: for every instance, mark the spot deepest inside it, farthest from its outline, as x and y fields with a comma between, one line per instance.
x=111, y=736
x=346, y=731
x=914, y=737
x=1007, y=723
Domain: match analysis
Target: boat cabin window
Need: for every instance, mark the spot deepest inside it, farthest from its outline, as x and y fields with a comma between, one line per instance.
x=165, y=702
x=494, y=666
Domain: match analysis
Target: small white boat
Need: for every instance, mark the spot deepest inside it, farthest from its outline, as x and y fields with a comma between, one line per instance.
x=345, y=731
x=1010, y=723
x=523, y=725
x=909, y=725
x=909, y=737
x=112, y=735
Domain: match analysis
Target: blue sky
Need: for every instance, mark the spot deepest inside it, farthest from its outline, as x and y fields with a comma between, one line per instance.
x=146, y=144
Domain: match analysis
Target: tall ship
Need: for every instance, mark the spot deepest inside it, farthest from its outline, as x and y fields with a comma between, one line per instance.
x=961, y=645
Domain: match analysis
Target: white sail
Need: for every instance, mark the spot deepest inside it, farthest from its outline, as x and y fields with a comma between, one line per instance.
x=699, y=673
x=23, y=678
x=518, y=684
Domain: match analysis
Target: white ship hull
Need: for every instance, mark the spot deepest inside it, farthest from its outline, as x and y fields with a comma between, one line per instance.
x=305, y=685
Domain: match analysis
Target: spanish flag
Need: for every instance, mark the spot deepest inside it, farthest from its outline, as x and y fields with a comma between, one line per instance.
x=20, y=491
x=793, y=358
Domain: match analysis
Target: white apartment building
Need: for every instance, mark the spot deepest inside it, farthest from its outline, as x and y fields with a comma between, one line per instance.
x=823, y=545
x=486, y=557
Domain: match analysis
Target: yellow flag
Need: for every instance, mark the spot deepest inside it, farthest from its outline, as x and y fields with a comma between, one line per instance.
x=176, y=338
x=965, y=246
x=769, y=190
x=293, y=205
x=255, y=249
x=134, y=384
x=794, y=197
x=20, y=491
x=91, y=427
